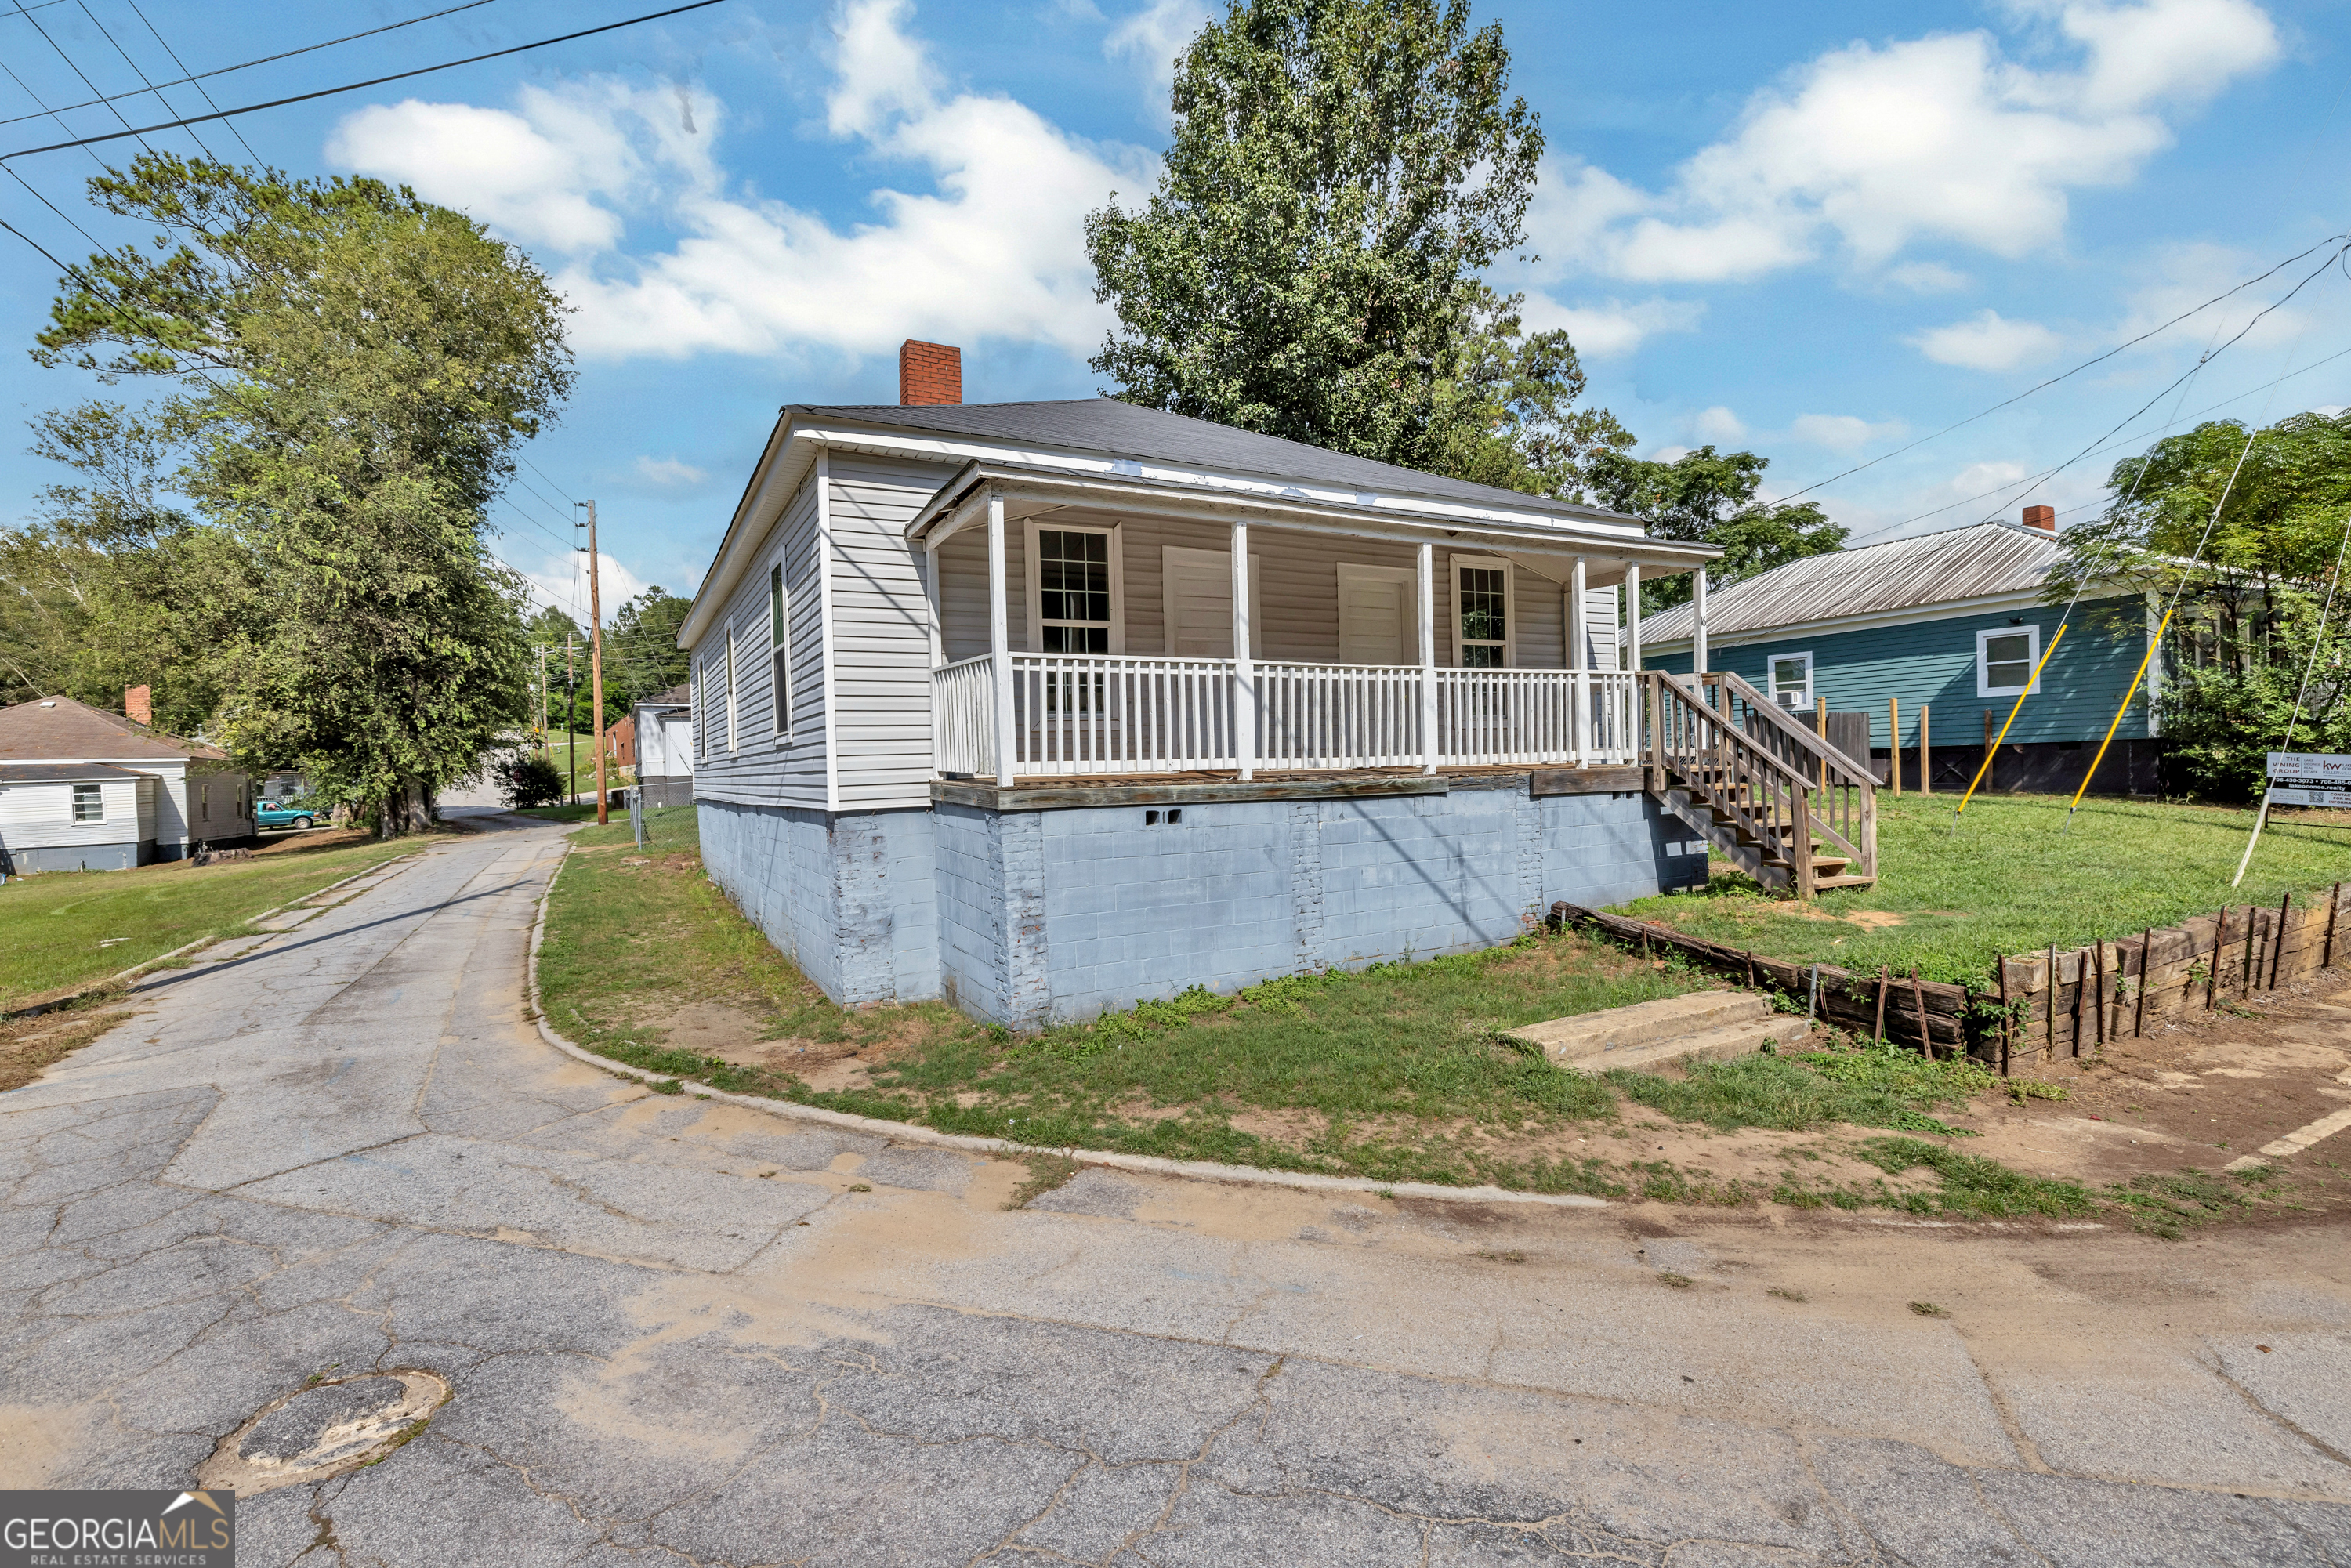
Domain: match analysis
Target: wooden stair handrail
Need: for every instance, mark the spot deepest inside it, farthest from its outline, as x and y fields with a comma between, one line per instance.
x=1749, y=758
x=1804, y=738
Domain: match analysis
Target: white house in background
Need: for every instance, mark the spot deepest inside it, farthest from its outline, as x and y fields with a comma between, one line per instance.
x=192, y=797
x=663, y=740
x=1044, y=707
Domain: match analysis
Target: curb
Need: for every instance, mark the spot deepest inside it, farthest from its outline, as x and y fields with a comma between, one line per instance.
x=911, y=1132
x=57, y=1004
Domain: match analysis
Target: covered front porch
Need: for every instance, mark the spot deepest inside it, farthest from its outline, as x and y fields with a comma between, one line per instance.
x=1099, y=631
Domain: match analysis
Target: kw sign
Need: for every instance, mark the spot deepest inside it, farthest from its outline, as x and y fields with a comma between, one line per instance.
x=117, y=1529
x=2309, y=778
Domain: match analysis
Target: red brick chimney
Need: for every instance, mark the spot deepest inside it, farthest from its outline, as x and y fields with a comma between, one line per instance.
x=929, y=373
x=2042, y=518
x=139, y=706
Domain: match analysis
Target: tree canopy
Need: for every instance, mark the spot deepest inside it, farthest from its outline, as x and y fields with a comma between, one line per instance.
x=1709, y=497
x=351, y=369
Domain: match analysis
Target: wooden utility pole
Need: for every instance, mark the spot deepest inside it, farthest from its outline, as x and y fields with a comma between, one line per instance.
x=570, y=723
x=596, y=665
x=542, y=693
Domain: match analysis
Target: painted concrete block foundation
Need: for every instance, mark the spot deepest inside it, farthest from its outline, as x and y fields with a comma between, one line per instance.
x=1025, y=917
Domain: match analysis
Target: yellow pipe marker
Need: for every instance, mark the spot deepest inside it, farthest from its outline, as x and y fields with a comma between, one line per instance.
x=1980, y=767
x=2136, y=676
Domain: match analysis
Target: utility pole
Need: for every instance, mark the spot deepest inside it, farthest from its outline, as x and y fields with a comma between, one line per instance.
x=596, y=666
x=570, y=724
x=542, y=693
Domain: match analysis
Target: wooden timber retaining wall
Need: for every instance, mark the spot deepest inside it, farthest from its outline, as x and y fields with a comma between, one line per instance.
x=2110, y=990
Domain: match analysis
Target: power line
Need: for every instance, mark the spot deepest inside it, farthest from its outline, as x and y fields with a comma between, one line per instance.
x=244, y=65
x=2077, y=369
x=356, y=85
x=176, y=60
x=85, y=80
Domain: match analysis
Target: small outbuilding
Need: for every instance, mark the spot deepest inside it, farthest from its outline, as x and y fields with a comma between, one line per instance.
x=661, y=730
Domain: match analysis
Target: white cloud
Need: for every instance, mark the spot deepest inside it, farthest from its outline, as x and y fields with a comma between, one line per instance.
x=1986, y=342
x=1602, y=331
x=1842, y=432
x=1719, y=424
x=1152, y=37
x=1943, y=136
x=995, y=246
x=669, y=473
x=1926, y=277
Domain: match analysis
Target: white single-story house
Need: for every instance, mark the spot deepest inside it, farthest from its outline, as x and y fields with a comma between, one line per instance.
x=1044, y=707
x=663, y=740
x=196, y=796
x=74, y=815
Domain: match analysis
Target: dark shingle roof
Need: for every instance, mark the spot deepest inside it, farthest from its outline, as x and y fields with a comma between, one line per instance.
x=1106, y=425
x=59, y=727
x=1977, y=561
x=64, y=772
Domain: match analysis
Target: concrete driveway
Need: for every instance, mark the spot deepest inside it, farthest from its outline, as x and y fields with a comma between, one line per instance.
x=677, y=1332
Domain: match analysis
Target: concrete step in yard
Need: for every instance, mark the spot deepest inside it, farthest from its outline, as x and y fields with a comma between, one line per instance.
x=1706, y=1026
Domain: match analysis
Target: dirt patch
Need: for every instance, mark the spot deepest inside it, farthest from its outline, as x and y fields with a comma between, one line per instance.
x=30, y=1046
x=733, y=1035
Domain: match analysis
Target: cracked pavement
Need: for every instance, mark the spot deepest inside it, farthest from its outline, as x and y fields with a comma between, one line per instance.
x=675, y=1333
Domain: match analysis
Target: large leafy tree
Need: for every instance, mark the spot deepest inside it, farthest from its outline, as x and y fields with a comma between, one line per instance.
x=351, y=369
x=642, y=658
x=1341, y=175
x=1709, y=497
x=2253, y=616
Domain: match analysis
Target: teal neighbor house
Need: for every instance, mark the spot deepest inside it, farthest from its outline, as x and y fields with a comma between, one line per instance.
x=1937, y=634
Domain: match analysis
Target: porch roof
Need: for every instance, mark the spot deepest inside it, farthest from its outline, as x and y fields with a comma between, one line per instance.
x=1608, y=549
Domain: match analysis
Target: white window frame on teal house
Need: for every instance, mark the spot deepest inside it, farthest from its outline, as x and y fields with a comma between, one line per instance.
x=1771, y=664
x=2032, y=634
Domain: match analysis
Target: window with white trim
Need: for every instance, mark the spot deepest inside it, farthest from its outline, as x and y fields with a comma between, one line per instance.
x=88, y=803
x=2006, y=657
x=1790, y=678
x=779, y=653
x=1075, y=591
x=1484, y=613
x=701, y=714
x=733, y=711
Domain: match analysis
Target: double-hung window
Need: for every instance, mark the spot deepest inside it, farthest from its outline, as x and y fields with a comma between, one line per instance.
x=88, y=803
x=1481, y=592
x=1791, y=681
x=1076, y=598
x=779, y=652
x=733, y=711
x=2006, y=657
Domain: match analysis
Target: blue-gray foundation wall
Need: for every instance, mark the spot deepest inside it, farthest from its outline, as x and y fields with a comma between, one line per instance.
x=1028, y=917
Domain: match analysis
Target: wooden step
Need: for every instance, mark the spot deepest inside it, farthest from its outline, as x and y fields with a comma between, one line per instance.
x=1820, y=882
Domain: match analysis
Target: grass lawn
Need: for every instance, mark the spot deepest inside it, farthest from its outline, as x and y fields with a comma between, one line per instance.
x=64, y=929
x=1954, y=893
x=1395, y=1073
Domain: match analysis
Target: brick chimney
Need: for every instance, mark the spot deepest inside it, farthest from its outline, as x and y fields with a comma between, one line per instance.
x=2042, y=518
x=929, y=373
x=139, y=706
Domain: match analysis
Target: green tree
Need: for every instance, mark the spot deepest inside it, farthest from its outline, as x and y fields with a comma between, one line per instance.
x=642, y=658
x=352, y=368
x=1709, y=497
x=1309, y=266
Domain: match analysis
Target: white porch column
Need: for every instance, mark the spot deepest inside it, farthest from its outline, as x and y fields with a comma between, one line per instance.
x=1244, y=675
x=1000, y=639
x=1426, y=564
x=1698, y=622
x=1632, y=618
x=1579, y=659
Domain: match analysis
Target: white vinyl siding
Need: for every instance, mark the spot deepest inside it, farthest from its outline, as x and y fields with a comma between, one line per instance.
x=766, y=766
x=43, y=816
x=881, y=627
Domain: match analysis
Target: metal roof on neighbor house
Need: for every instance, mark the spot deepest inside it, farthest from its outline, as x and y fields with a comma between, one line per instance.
x=1982, y=561
x=1116, y=429
x=57, y=729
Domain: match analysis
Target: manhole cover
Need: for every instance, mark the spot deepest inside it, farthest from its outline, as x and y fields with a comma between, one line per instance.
x=323, y=1430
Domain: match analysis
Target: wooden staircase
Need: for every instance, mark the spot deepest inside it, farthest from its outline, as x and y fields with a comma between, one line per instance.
x=1778, y=803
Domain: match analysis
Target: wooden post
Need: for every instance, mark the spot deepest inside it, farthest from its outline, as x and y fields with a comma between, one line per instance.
x=1893, y=743
x=2081, y=994
x=1926, y=1035
x=1632, y=617
x=1425, y=580
x=2277, y=949
x=2145, y=953
x=1000, y=642
x=1750, y=969
x=1579, y=659
x=2245, y=965
x=1925, y=773
x=2007, y=1023
x=1879, y=1032
x=2099, y=948
x=2219, y=946
x=1653, y=696
x=2053, y=1001
x=1244, y=671
x=1821, y=728
x=2334, y=899
x=1697, y=621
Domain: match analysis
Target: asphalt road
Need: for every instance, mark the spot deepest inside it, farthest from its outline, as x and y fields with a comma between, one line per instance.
x=679, y=1333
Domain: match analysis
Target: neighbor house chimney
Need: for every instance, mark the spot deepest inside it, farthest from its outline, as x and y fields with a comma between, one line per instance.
x=139, y=706
x=2042, y=518
x=929, y=373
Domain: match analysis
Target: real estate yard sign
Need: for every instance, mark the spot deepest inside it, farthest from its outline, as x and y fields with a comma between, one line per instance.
x=2309, y=778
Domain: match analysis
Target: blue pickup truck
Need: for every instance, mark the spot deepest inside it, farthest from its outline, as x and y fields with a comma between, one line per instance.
x=282, y=814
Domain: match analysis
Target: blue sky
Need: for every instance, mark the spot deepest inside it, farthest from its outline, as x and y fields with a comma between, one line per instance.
x=1817, y=232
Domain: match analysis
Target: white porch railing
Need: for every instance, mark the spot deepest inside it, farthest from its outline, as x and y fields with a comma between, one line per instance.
x=1094, y=714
